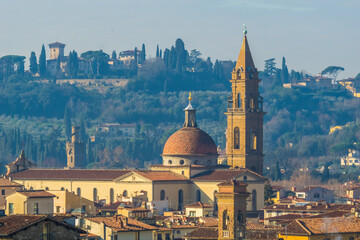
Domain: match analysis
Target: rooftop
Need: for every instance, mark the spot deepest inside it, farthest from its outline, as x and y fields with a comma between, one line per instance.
x=198, y=205
x=4, y=182
x=223, y=175
x=36, y=194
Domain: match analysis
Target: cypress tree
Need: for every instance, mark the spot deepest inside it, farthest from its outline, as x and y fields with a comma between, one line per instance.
x=82, y=133
x=157, y=51
x=33, y=63
x=143, y=53
x=180, y=55
x=166, y=56
x=113, y=55
x=136, y=56
x=284, y=72
x=172, y=58
x=160, y=53
x=67, y=123
x=42, y=62
x=277, y=172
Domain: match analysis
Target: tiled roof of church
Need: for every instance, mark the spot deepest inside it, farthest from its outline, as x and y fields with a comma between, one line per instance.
x=198, y=205
x=223, y=175
x=66, y=174
x=161, y=175
x=4, y=182
x=190, y=141
x=36, y=194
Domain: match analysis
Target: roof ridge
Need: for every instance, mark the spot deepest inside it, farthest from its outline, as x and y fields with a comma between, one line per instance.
x=302, y=225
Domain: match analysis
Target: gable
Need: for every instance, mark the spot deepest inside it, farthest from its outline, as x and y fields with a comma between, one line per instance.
x=132, y=177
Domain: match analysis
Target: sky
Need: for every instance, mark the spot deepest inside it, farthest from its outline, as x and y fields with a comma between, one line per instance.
x=311, y=34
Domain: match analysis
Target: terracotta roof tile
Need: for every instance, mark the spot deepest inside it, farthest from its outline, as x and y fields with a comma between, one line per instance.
x=287, y=217
x=311, y=207
x=4, y=182
x=203, y=233
x=314, y=226
x=223, y=175
x=117, y=223
x=190, y=141
x=36, y=194
x=161, y=175
x=198, y=205
x=78, y=174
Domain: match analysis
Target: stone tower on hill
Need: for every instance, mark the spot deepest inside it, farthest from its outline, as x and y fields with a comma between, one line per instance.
x=75, y=150
x=244, y=134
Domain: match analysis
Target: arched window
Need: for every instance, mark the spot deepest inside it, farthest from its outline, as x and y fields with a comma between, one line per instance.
x=78, y=192
x=198, y=196
x=180, y=199
x=236, y=138
x=252, y=105
x=182, y=162
x=95, y=196
x=162, y=194
x=239, y=100
x=226, y=220
x=240, y=217
x=125, y=193
x=253, y=141
x=46, y=189
x=253, y=203
x=62, y=189
x=170, y=161
x=111, y=195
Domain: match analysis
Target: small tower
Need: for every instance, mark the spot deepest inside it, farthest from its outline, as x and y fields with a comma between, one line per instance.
x=75, y=150
x=56, y=50
x=231, y=200
x=190, y=115
x=244, y=134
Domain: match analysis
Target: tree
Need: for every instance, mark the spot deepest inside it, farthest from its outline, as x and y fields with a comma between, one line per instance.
x=357, y=76
x=143, y=54
x=113, y=55
x=157, y=51
x=180, y=55
x=67, y=123
x=99, y=61
x=160, y=53
x=73, y=64
x=33, y=63
x=194, y=56
x=166, y=56
x=270, y=68
x=82, y=132
x=284, y=72
x=42, y=62
x=277, y=176
x=332, y=72
x=172, y=58
x=268, y=192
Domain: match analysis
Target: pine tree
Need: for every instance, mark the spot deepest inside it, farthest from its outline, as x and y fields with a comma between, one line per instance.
x=42, y=62
x=157, y=51
x=270, y=68
x=67, y=123
x=113, y=55
x=33, y=63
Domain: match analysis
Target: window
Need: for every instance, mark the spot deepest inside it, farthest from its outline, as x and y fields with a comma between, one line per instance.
x=192, y=213
x=115, y=237
x=215, y=202
x=245, y=178
x=36, y=208
x=180, y=199
x=239, y=100
x=240, y=217
x=11, y=208
x=170, y=161
x=253, y=141
x=162, y=195
x=198, y=196
x=125, y=193
x=167, y=236
x=62, y=189
x=316, y=195
x=253, y=193
x=226, y=220
x=58, y=209
x=46, y=231
x=111, y=195
x=83, y=208
x=159, y=236
x=78, y=192
x=182, y=162
x=236, y=138
x=95, y=196
x=3, y=192
x=46, y=189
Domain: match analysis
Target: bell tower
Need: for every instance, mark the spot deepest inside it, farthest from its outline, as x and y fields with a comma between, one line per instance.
x=75, y=150
x=244, y=134
x=231, y=200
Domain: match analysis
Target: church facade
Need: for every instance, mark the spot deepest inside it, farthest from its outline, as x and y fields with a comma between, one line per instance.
x=189, y=172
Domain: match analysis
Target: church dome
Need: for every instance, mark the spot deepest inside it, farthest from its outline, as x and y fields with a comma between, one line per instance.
x=190, y=141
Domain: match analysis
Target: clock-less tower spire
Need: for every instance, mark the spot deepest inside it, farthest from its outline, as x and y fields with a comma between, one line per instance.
x=244, y=134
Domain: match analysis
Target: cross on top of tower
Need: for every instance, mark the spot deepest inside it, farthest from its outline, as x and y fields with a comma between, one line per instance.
x=245, y=29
